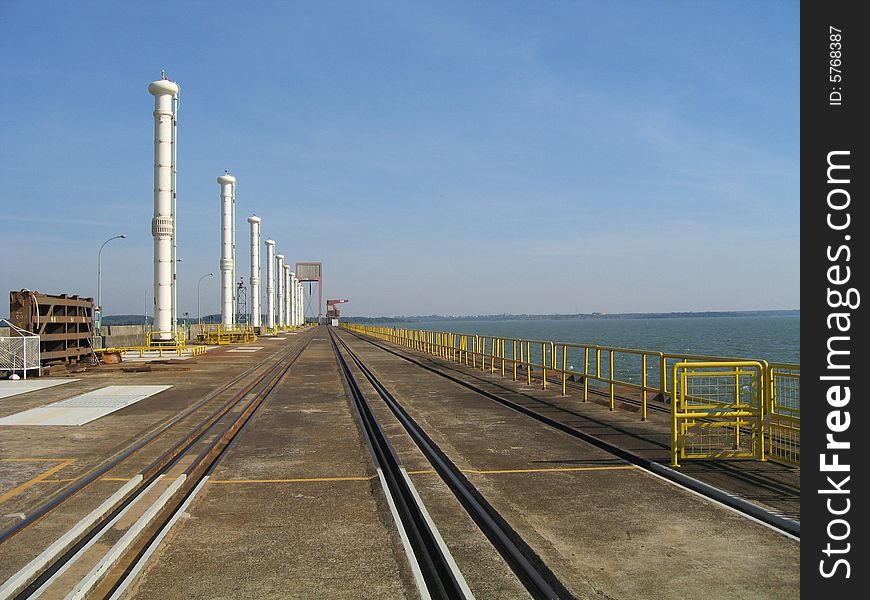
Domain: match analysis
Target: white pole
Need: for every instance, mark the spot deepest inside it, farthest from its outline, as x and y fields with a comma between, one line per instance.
x=162, y=226
x=255, y=270
x=227, y=183
x=279, y=275
x=270, y=284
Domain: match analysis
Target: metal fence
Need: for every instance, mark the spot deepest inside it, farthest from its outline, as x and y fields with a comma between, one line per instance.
x=20, y=352
x=643, y=374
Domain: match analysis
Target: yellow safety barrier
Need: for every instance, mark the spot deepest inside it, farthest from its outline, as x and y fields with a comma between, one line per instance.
x=638, y=375
x=221, y=335
x=718, y=410
x=783, y=413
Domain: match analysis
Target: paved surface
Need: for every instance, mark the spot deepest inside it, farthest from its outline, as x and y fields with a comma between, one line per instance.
x=295, y=509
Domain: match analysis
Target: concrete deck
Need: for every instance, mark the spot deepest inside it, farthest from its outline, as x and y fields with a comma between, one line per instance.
x=295, y=508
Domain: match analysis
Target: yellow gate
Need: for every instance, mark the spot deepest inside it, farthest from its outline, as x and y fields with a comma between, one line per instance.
x=718, y=410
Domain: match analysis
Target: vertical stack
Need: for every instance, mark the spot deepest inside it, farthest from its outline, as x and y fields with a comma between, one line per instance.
x=165, y=94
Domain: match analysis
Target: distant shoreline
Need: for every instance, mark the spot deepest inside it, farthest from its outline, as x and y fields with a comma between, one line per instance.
x=574, y=316
x=137, y=319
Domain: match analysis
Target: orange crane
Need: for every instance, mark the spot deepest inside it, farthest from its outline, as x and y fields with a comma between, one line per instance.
x=332, y=313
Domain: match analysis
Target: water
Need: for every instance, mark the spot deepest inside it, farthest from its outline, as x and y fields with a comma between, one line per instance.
x=774, y=338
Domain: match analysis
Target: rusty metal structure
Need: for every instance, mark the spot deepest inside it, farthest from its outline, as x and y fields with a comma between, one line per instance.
x=332, y=312
x=64, y=324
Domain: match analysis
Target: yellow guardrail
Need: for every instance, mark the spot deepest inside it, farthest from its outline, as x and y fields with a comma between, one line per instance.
x=220, y=335
x=718, y=410
x=614, y=371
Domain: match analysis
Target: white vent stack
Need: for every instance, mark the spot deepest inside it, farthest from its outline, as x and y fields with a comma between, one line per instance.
x=270, y=284
x=228, y=234
x=279, y=275
x=165, y=94
x=292, y=310
x=255, y=221
x=301, y=307
x=288, y=290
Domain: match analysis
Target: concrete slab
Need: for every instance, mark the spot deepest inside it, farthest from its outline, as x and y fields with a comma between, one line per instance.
x=293, y=511
x=605, y=528
x=85, y=408
x=9, y=387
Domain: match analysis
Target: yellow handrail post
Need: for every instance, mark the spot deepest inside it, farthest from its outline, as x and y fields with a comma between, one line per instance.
x=643, y=385
x=612, y=386
x=544, y=365
x=564, y=369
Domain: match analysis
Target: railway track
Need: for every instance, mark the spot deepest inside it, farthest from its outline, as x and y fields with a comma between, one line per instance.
x=436, y=572
x=100, y=554
x=775, y=520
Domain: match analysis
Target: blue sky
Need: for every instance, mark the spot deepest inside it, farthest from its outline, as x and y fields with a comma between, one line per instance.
x=437, y=157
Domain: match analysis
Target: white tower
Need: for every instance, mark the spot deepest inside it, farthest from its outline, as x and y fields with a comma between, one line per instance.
x=270, y=284
x=165, y=94
x=288, y=290
x=228, y=234
x=292, y=310
x=255, y=269
x=279, y=275
x=301, y=307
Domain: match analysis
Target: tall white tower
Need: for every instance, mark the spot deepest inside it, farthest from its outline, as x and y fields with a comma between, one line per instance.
x=270, y=284
x=300, y=315
x=165, y=94
x=255, y=269
x=292, y=310
x=279, y=275
x=288, y=290
x=228, y=234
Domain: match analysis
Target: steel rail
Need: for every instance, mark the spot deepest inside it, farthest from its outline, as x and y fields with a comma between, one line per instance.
x=163, y=463
x=537, y=578
x=776, y=521
x=122, y=455
x=435, y=568
x=203, y=466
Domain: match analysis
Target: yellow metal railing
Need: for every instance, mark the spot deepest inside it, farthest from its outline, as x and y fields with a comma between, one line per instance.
x=718, y=410
x=613, y=371
x=220, y=335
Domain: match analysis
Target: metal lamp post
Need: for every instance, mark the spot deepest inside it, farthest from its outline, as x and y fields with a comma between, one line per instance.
x=100, y=280
x=198, y=311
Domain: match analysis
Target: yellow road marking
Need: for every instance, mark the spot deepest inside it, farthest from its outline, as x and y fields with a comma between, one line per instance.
x=425, y=472
x=296, y=480
x=65, y=462
x=36, y=459
x=553, y=469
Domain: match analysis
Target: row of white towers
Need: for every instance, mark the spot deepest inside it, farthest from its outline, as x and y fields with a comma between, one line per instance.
x=285, y=297
x=284, y=300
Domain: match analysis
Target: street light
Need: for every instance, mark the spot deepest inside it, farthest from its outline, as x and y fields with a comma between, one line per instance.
x=100, y=281
x=198, y=312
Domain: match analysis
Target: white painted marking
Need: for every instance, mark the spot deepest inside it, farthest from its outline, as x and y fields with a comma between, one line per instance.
x=84, y=408
x=91, y=579
x=119, y=591
x=406, y=543
x=274, y=338
x=460, y=579
x=247, y=349
x=22, y=386
x=51, y=553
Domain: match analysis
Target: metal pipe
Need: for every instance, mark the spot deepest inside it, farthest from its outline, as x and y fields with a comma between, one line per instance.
x=255, y=269
x=270, y=284
x=175, y=260
x=227, y=265
x=162, y=224
x=279, y=276
x=294, y=300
